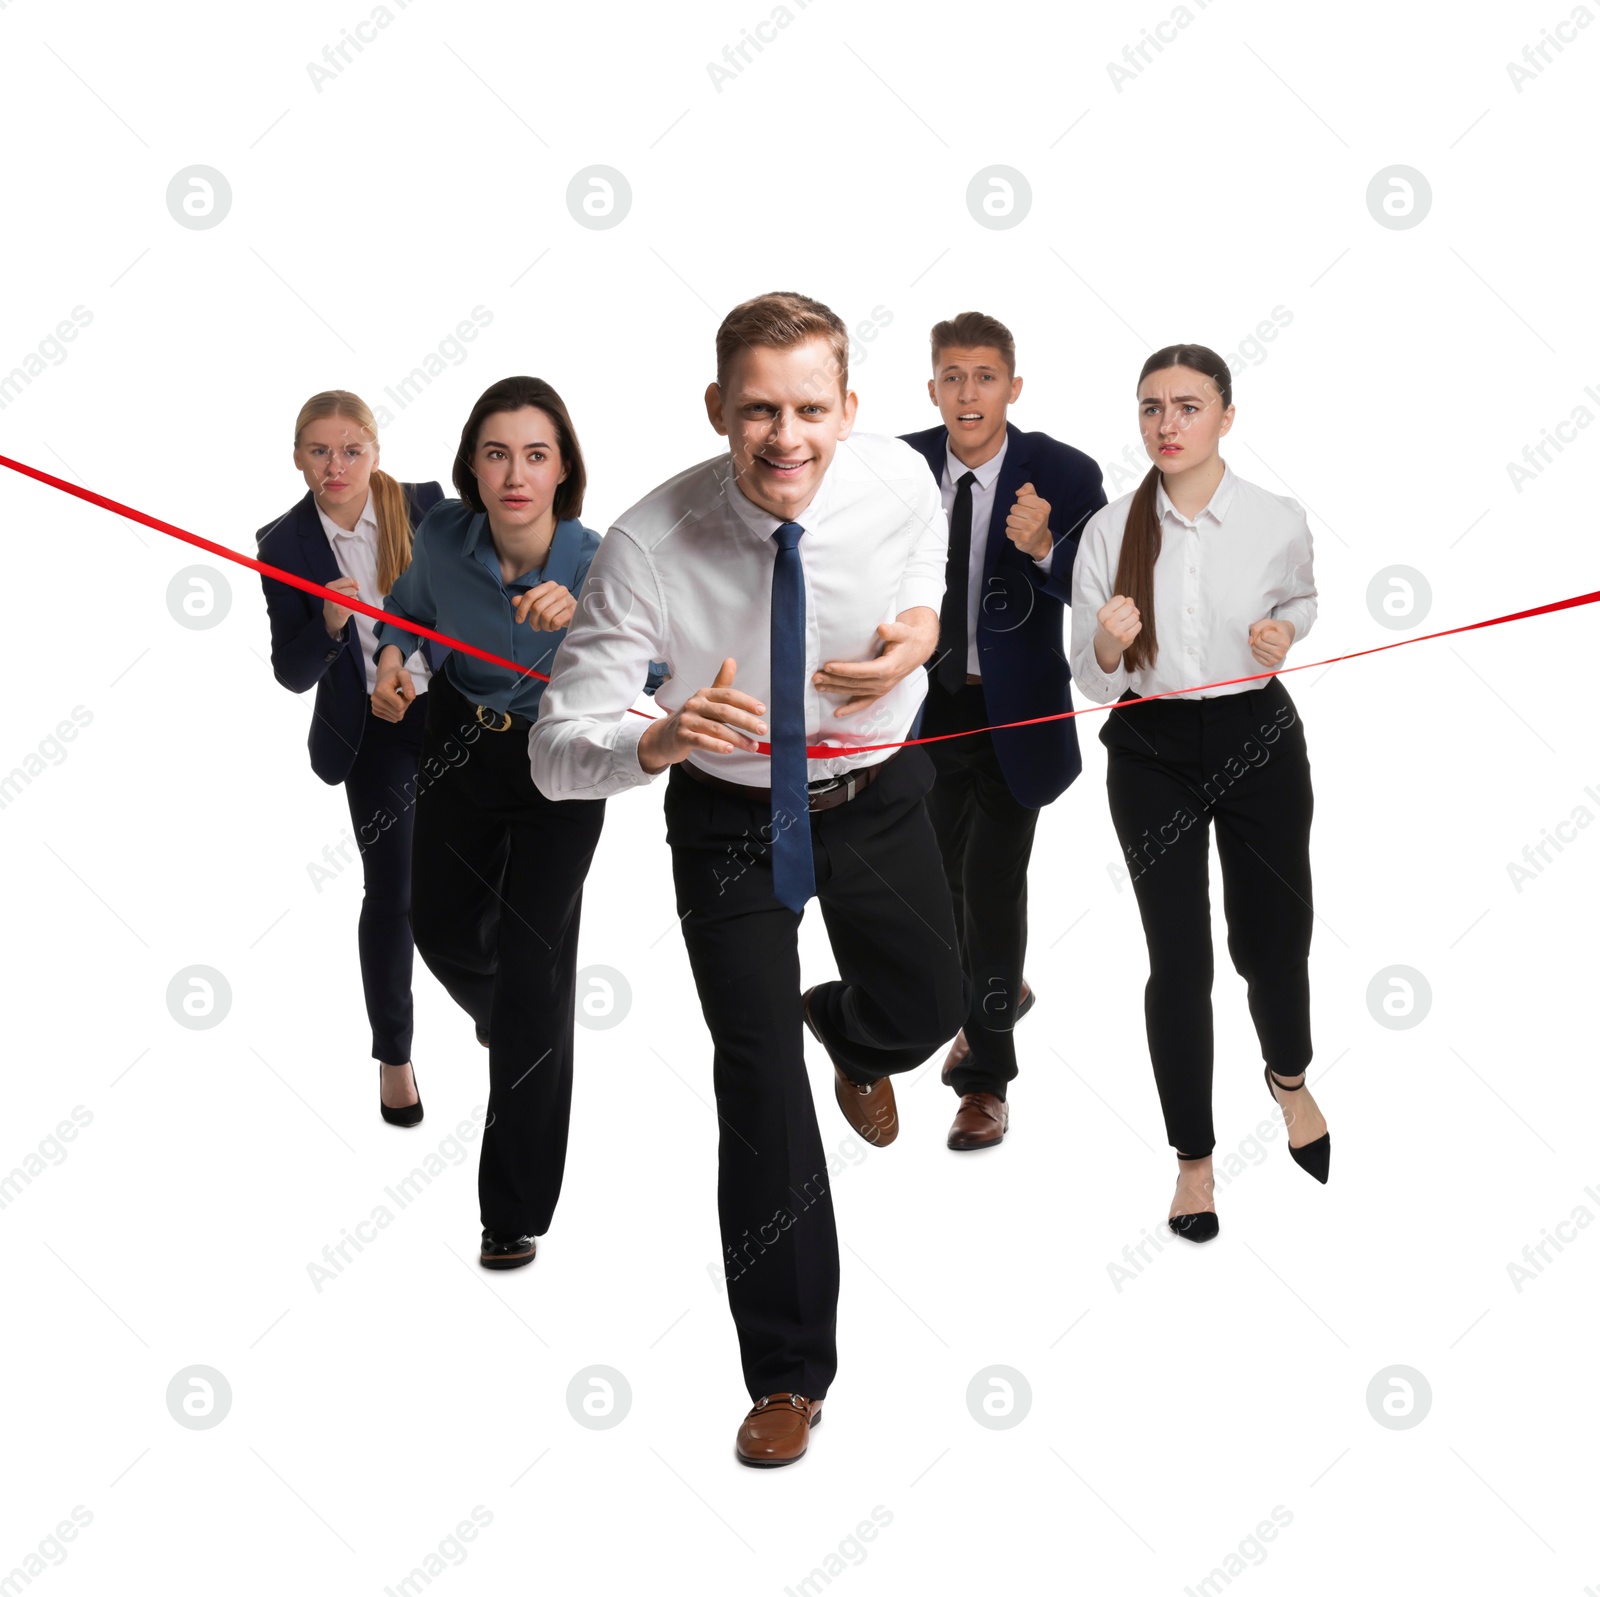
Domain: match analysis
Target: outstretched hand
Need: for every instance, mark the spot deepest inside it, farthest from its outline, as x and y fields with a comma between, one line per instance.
x=714, y=720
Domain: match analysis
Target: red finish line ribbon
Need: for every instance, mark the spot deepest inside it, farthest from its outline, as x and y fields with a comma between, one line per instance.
x=815, y=751
x=345, y=600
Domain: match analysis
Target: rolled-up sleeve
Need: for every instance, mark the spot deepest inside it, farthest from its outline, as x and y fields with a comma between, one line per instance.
x=922, y=581
x=1093, y=574
x=584, y=743
x=1300, y=608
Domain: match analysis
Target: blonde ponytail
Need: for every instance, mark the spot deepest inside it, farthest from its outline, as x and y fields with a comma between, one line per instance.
x=394, y=529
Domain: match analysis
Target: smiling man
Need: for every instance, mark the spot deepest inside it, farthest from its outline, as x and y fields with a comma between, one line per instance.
x=792, y=584
x=1017, y=504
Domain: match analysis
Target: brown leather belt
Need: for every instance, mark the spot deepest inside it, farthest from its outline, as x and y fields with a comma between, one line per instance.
x=826, y=794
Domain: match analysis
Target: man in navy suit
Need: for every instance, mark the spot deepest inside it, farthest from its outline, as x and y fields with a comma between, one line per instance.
x=1017, y=504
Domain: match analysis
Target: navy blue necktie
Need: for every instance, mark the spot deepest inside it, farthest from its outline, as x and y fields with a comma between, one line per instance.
x=793, y=878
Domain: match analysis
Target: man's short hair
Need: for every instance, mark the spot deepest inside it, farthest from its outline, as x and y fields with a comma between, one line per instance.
x=780, y=321
x=974, y=330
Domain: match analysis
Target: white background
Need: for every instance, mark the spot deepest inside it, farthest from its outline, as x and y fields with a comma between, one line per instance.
x=1168, y=1418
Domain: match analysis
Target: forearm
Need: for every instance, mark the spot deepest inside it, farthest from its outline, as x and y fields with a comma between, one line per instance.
x=1107, y=653
x=924, y=638
x=572, y=756
x=301, y=657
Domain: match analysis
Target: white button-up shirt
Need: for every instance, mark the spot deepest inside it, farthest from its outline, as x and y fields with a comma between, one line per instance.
x=1245, y=557
x=986, y=475
x=357, y=554
x=685, y=576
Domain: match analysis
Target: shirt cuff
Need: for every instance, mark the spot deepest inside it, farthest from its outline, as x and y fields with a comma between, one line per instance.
x=1045, y=564
x=625, y=750
x=1299, y=613
x=1102, y=686
x=919, y=592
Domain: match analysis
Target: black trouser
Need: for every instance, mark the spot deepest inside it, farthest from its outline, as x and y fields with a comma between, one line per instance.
x=498, y=885
x=379, y=789
x=1174, y=766
x=883, y=901
x=986, y=838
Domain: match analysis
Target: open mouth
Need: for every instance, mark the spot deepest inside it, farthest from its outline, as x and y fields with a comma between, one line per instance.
x=784, y=468
x=970, y=418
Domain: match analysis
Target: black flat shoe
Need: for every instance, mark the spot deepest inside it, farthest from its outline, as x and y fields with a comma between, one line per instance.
x=411, y=1114
x=1313, y=1157
x=1194, y=1227
x=506, y=1253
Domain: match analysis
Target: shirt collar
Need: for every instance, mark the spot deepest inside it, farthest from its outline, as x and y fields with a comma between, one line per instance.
x=367, y=519
x=1216, y=508
x=560, y=563
x=762, y=522
x=986, y=474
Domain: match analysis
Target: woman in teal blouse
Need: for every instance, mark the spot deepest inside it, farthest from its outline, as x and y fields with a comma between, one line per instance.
x=497, y=868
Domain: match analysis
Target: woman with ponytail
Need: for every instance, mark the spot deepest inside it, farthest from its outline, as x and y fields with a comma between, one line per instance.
x=352, y=533
x=1193, y=581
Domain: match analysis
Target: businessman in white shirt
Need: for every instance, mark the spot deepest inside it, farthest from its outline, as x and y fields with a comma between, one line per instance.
x=792, y=586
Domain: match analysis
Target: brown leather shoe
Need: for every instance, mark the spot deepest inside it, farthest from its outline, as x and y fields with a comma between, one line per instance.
x=871, y=1109
x=980, y=1122
x=960, y=1048
x=777, y=1430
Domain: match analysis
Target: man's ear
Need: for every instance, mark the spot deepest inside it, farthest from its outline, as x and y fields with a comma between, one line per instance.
x=849, y=413
x=714, y=408
x=933, y=394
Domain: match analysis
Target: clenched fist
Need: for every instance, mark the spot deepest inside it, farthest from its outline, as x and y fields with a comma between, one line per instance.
x=1118, y=624
x=1028, y=523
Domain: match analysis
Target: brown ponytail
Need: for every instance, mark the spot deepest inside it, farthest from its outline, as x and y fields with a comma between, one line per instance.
x=388, y=497
x=1141, y=537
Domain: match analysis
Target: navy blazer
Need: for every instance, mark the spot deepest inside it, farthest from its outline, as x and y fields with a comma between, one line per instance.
x=303, y=654
x=1020, y=650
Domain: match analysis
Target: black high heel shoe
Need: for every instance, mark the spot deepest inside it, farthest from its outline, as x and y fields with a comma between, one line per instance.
x=411, y=1114
x=1313, y=1157
x=1200, y=1227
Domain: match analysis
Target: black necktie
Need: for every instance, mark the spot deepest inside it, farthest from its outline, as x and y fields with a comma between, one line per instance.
x=951, y=671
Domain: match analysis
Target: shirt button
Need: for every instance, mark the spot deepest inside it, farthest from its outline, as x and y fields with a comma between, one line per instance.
x=1191, y=609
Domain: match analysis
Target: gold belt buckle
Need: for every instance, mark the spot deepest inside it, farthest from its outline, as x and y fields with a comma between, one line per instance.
x=505, y=726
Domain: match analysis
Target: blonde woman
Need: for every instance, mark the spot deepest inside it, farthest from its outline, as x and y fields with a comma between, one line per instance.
x=352, y=533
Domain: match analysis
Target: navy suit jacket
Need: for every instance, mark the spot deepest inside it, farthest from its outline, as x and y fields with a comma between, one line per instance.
x=1021, y=654
x=303, y=655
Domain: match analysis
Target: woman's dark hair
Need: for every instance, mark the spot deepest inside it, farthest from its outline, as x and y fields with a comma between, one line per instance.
x=1141, y=537
x=517, y=393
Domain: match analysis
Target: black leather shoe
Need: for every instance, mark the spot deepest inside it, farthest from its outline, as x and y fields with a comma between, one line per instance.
x=506, y=1253
x=484, y=1040
x=411, y=1114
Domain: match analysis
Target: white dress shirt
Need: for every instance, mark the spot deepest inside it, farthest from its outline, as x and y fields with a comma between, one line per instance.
x=987, y=475
x=685, y=576
x=357, y=554
x=1246, y=556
